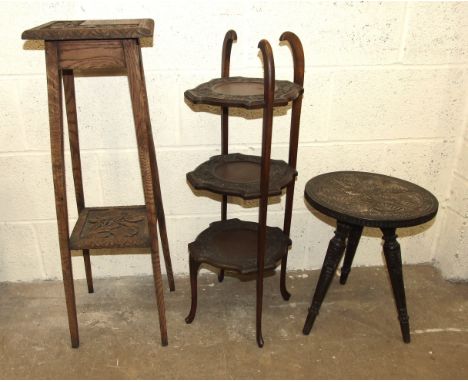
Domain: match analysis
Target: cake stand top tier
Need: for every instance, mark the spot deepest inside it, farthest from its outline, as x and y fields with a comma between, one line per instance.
x=242, y=92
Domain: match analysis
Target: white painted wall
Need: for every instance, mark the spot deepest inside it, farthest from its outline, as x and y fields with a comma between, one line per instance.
x=385, y=91
x=452, y=247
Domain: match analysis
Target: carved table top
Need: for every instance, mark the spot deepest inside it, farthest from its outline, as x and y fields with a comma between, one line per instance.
x=369, y=199
x=90, y=30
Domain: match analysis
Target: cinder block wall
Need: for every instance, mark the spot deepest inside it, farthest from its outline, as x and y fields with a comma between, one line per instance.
x=452, y=246
x=385, y=91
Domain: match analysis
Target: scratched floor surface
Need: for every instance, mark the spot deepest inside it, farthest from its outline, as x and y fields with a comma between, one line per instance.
x=356, y=335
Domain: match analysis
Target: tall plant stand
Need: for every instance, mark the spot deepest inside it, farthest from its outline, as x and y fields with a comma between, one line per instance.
x=233, y=244
x=102, y=44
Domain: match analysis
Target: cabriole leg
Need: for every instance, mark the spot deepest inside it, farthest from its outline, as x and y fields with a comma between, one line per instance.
x=260, y=341
x=194, y=266
x=286, y=228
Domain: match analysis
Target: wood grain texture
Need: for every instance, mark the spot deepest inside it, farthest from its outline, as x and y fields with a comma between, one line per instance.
x=135, y=79
x=54, y=90
x=72, y=122
x=158, y=201
x=91, y=29
x=102, y=227
x=91, y=54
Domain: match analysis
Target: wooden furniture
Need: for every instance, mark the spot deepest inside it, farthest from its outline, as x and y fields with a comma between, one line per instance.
x=359, y=199
x=232, y=244
x=101, y=44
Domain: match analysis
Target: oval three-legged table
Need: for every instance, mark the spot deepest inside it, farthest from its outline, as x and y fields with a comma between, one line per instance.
x=359, y=199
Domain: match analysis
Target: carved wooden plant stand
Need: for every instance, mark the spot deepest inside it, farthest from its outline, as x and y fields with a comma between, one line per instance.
x=102, y=44
x=358, y=199
x=248, y=247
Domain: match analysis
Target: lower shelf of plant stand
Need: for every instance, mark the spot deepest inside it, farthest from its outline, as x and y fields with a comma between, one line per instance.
x=232, y=244
x=111, y=227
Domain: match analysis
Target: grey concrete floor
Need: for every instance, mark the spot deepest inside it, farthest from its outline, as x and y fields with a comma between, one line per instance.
x=355, y=336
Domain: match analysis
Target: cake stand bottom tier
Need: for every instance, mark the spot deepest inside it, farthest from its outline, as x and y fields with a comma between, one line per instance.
x=232, y=244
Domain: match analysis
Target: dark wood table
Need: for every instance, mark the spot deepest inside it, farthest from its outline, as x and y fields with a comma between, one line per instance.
x=359, y=199
x=101, y=44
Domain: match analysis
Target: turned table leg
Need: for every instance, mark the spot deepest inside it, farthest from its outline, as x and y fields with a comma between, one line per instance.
x=332, y=258
x=221, y=275
x=392, y=254
x=351, y=246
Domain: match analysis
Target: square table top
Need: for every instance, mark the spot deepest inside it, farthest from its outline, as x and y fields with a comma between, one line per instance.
x=91, y=30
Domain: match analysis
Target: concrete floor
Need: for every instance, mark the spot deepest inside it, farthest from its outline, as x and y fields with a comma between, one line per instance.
x=356, y=335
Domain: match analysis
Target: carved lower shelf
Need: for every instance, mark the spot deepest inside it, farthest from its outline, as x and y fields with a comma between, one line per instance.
x=232, y=245
x=239, y=175
x=111, y=227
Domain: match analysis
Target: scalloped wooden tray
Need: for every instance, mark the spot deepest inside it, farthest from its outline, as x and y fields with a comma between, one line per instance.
x=239, y=175
x=232, y=244
x=241, y=92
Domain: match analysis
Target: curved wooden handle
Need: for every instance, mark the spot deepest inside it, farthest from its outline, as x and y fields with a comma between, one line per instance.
x=269, y=92
x=298, y=55
x=269, y=72
x=229, y=38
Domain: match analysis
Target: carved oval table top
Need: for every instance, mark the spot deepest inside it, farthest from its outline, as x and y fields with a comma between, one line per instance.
x=368, y=199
